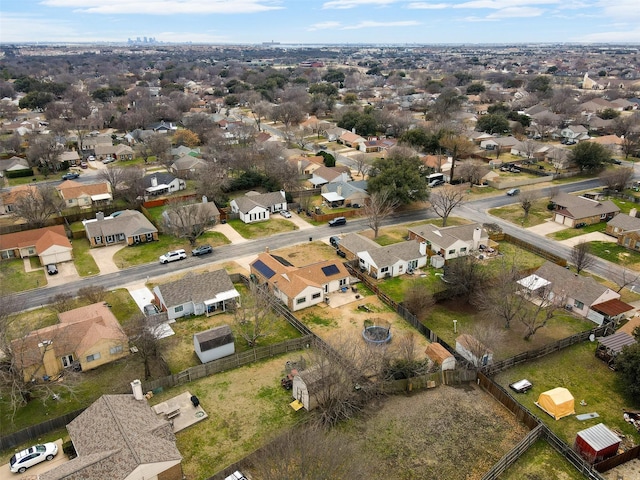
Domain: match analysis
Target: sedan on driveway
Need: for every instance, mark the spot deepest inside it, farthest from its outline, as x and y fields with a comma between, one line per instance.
x=32, y=456
x=52, y=269
x=285, y=213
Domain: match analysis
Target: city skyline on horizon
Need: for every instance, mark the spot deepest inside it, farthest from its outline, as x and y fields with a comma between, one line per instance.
x=322, y=22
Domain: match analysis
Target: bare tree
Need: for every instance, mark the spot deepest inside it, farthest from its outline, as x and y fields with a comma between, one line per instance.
x=542, y=308
x=458, y=147
x=472, y=171
x=544, y=125
x=501, y=297
x=529, y=147
x=189, y=220
x=157, y=145
x=254, y=319
x=631, y=145
x=93, y=293
x=379, y=206
x=133, y=189
x=627, y=276
x=37, y=205
x=465, y=277
x=62, y=302
x=617, y=178
x=260, y=110
x=143, y=334
x=43, y=152
x=526, y=200
x=418, y=299
x=444, y=199
x=581, y=256
x=115, y=176
x=362, y=164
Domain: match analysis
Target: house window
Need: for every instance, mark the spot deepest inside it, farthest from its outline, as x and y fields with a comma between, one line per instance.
x=98, y=240
x=452, y=251
x=578, y=304
x=32, y=251
x=149, y=237
x=315, y=295
x=67, y=361
x=115, y=350
x=384, y=269
x=603, y=216
x=178, y=309
x=109, y=239
x=95, y=356
x=463, y=250
x=343, y=282
x=301, y=300
x=413, y=264
x=70, y=201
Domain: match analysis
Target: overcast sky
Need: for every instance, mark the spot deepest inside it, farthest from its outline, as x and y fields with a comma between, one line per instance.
x=321, y=21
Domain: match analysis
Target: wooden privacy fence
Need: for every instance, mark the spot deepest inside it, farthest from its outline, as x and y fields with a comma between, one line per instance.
x=612, y=462
x=516, y=452
x=227, y=363
x=35, y=431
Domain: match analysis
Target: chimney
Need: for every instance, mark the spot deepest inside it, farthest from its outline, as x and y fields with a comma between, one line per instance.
x=154, y=182
x=423, y=248
x=204, y=199
x=633, y=212
x=100, y=216
x=353, y=130
x=136, y=388
x=266, y=249
x=477, y=233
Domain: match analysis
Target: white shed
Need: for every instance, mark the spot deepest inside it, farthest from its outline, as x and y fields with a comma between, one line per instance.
x=305, y=385
x=440, y=355
x=214, y=343
x=473, y=350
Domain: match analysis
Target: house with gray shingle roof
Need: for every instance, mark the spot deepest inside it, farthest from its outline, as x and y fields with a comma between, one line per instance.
x=187, y=165
x=129, y=226
x=162, y=183
x=572, y=210
x=626, y=229
x=120, y=437
x=256, y=207
x=345, y=193
x=577, y=292
x=205, y=293
x=450, y=242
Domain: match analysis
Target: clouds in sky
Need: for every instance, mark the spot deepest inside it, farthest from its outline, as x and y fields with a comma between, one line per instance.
x=340, y=21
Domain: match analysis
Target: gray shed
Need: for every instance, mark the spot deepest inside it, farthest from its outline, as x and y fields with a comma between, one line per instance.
x=609, y=347
x=214, y=343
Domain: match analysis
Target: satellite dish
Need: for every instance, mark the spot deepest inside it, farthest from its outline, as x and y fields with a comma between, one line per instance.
x=592, y=337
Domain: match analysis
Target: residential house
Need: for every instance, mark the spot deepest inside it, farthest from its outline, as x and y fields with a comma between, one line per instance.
x=596, y=105
x=323, y=175
x=384, y=261
x=14, y=164
x=299, y=287
x=590, y=84
x=162, y=127
x=308, y=165
x=499, y=143
x=376, y=145
x=187, y=166
x=214, y=343
x=195, y=214
x=575, y=292
x=574, y=133
x=256, y=207
x=345, y=193
x=129, y=226
x=438, y=163
x=118, y=152
x=93, y=141
x=205, y=293
x=9, y=197
x=181, y=150
x=351, y=139
x=85, y=195
x=572, y=210
x=626, y=229
x=162, y=183
x=611, y=142
x=50, y=244
x=333, y=134
x=70, y=156
x=621, y=104
x=120, y=436
x=450, y=242
x=83, y=339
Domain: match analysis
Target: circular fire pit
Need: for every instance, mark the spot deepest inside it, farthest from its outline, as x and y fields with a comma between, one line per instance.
x=376, y=334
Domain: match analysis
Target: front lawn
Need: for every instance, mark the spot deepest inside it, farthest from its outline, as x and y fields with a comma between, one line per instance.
x=513, y=213
x=14, y=279
x=398, y=233
x=576, y=232
x=586, y=377
x=82, y=259
x=262, y=229
x=148, y=252
x=615, y=253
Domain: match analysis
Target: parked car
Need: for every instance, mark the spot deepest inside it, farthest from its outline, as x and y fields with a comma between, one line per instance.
x=173, y=256
x=513, y=192
x=52, y=269
x=285, y=213
x=334, y=241
x=436, y=183
x=340, y=253
x=32, y=456
x=201, y=250
x=615, y=161
x=108, y=160
x=150, y=309
x=337, y=221
x=84, y=165
x=70, y=175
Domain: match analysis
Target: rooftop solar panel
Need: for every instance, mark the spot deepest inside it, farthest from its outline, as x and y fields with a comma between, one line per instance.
x=330, y=270
x=263, y=269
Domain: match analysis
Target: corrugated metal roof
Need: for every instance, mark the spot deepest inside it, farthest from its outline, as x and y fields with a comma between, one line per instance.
x=612, y=307
x=599, y=437
x=617, y=341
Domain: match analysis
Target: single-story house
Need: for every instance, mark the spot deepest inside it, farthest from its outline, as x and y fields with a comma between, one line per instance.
x=214, y=343
x=83, y=339
x=187, y=166
x=345, y=193
x=575, y=133
x=70, y=156
x=612, y=142
x=120, y=436
x=118, y=152
x=323, y=175
x=50, y=244
x=575, y=292
x=256, y=207
x=473, y=350
x=14, y=164
x=196, y=214
x=626, y=229
x=502, y=143
x=351, y=139
x=162, y=183
x=76, y=194
x=129, y=226
x=9, y=197
x=441, y=356
x=450, y=242
x=572, y=210
x=205, y=293
x=300, y=287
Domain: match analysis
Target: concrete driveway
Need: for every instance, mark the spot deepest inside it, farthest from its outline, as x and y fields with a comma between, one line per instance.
x=549, y=226
x=228, y=231
x=66, y=273
x=33, y=472
x=300, y=222
x=104, y=258
x=588, y=237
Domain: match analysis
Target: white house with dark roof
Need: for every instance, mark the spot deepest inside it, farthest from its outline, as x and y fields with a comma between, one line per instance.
x=450, y=242
x=256, y=207
x=205, y=293
x=121, y=437
x=345, y=193
x=299, y=287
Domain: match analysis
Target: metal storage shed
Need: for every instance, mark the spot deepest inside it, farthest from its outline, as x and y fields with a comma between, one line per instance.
x=596, y=443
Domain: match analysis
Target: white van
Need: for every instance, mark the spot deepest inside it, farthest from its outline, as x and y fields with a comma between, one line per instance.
x=173, y=256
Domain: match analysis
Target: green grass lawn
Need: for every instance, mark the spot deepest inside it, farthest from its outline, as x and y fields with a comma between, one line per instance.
x=541, y=461
x=396, y=234
x=14, y=279
x=148, y=252
x=576, y=232
x=513, y=213
x=82, y=259
x=615, y=253
x=586, y=377
x=262, y=229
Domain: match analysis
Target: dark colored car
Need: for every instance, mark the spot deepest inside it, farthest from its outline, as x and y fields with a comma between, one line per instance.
x=150, y=309
x=52, y=269
x=513, y=192
x=340, y=253
x=70, y=176
x=334, y=241
x=201, y=250
x=337, y=221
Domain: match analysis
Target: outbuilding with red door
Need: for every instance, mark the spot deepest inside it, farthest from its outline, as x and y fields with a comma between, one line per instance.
x=596, y=443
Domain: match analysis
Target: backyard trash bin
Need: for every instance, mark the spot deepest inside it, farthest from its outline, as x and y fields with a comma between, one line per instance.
x=195, y=400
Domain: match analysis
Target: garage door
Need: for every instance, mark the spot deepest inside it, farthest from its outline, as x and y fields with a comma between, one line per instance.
x=559, y=219
x=55, y=258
